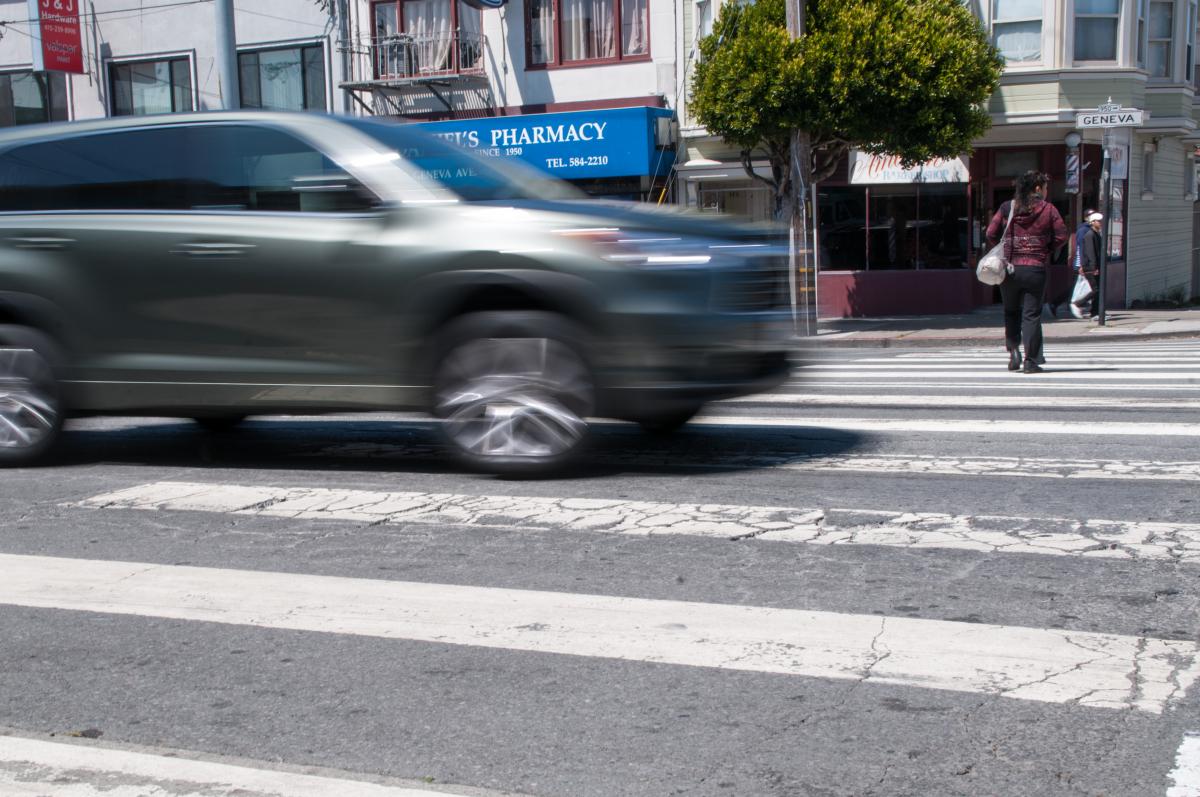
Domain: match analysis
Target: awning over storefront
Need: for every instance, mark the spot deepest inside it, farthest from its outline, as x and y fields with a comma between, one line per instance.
x=866, y=169
x=579, y=145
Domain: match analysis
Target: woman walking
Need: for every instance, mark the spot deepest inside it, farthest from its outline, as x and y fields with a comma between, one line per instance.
x=1033, y=239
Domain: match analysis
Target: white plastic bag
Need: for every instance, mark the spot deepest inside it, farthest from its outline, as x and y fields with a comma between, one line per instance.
x=1082, y=292
x=992, y=267
x=1080, y=296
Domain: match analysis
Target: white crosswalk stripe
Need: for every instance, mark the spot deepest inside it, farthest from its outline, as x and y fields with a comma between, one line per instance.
x=36, y=768
x=1046, y=665
x=1093, y=538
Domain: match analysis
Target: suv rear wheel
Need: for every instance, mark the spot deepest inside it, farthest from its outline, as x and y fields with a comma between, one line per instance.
x=30, y=412
x=513, y=390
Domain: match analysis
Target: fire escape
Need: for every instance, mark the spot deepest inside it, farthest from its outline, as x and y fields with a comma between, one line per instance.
x=421, y=75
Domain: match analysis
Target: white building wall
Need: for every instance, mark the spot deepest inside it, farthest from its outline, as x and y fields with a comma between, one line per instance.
x=123, y=30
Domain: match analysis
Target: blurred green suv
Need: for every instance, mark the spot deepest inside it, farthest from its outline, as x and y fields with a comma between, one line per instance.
x=216, y=266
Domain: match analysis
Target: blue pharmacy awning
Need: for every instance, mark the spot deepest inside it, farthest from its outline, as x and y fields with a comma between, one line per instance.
x=579, y=145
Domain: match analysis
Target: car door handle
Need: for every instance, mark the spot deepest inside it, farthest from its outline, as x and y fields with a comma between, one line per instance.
x=213, y=249
x=43, y=242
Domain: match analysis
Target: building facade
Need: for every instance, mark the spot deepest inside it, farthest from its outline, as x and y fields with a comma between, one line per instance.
x=585, y=84
x=905, y=241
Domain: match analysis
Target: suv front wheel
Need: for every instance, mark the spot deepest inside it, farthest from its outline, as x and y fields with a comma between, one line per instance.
x=513, y=390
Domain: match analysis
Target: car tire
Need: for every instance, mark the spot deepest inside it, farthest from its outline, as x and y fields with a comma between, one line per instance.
x=31, y=413
x=668, y=422
x=220, y=424
x=513, y=391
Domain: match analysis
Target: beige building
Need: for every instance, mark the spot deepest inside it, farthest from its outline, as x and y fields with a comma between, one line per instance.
x=895, y=241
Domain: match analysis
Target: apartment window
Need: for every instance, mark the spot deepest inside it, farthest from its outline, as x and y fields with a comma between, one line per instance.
x=580, y=31
x=1096, y=23
x=1158, y=38
x=283, y=79
x=1141, y=33
x=426, y=36
x=1017, y=30
x=1189, y=179
x=146, y=87
x=1190, y=63
x=30, y=97
x=1148, y=153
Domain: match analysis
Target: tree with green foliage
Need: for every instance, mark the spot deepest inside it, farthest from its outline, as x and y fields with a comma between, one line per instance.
x=907, y=78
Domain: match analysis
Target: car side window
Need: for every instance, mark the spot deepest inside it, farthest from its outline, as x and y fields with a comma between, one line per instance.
x=184, y=167
x=126, y=170
x=262, y=169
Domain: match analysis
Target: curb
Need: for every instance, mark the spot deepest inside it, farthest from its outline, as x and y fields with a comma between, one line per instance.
x=996, y=340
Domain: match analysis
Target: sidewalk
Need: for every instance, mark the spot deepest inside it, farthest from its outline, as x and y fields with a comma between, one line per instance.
x=985, y=327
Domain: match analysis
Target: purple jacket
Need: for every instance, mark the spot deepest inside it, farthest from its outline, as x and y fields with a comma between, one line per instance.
x=1035, y=236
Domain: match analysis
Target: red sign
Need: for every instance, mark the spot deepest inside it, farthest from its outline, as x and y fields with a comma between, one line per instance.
x=59, y=46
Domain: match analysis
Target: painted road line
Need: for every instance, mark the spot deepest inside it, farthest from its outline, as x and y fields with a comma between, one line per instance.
x=1050, y=372
x=34, y=767
x=1074, y=429
x=1186, y=775
x=1023, y=386
x=968, y=402
x=1110, y=539
x=1048, y=665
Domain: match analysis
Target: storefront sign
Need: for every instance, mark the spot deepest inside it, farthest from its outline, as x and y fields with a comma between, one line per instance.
x=579, y=145
x=57, y=39
x=866, y=169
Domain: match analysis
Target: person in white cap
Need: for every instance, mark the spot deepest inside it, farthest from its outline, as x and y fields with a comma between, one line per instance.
x=1089, y=261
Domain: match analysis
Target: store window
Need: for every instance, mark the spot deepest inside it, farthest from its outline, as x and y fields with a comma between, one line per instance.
x=283, y=79
x=564, y=32
x=1017, y=30
x=1190, y=61
x=892, y=227
x=1096, y=24
x=32, y=97
x=147, y=87
x=415, y=37
x=1159, y=36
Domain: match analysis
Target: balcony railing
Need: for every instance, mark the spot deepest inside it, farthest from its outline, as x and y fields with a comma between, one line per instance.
x=404, y=57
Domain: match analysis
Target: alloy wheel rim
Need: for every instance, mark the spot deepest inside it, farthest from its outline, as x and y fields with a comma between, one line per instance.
x=514, y=398
x=28, y=404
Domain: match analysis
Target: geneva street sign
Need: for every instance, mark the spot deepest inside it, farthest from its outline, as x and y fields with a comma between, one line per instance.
x=1109, y=115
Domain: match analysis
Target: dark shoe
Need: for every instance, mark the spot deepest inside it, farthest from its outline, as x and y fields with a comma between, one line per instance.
x=1040, y=359
x=1032, y=368
x=1053, y=309
x=1014, y=360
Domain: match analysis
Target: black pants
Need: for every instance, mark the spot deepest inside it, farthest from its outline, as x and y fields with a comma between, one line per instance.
x=1094, y=281
x=1022, y=291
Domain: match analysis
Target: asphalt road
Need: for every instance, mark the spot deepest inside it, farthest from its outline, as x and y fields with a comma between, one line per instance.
x=922, y=575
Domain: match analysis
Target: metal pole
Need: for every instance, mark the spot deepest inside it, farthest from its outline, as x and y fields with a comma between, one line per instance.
x=226, y=54
x=1106, y=172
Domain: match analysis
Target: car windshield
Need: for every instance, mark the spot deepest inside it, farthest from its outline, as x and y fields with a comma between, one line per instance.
x=472, y=177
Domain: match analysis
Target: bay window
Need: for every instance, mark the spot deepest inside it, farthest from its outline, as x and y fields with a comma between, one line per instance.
x=1017, y=30
x=1159, y=35
x=1096, y=24
x=578, y=31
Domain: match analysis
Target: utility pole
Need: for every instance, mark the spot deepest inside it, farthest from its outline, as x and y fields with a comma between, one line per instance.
x=226, y=54
x=802, y=254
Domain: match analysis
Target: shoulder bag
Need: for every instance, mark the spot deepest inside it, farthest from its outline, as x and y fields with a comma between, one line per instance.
x=993, y=267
